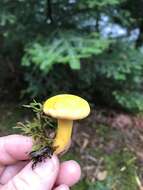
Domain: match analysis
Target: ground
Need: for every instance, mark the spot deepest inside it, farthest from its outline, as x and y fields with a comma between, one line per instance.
x=108, y=146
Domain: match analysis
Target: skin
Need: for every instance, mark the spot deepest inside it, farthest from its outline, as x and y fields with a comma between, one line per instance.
x=16, y=172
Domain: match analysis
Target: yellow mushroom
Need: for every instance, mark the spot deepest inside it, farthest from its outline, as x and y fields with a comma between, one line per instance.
x=66, y=108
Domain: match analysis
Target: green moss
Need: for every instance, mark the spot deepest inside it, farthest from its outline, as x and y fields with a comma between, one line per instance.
x=120, y=164
x=41, y=127
x=121, y=167
x=102, y=130
x=70, y=156
x=82, y=185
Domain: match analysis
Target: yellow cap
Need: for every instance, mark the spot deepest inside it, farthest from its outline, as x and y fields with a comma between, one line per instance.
x=66, y=106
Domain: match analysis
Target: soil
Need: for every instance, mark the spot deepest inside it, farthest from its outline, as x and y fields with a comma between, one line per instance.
x=101, y=135
x=104, y=133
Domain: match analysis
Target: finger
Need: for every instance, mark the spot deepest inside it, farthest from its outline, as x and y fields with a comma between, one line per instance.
x=14, y=148
x=42, y=177
x=69, y=173
x=11, y=171
x=62, y=187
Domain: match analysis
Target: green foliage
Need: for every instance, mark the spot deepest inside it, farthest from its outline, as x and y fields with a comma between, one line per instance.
x=99, y=4
x=132, y=101
x=121, y=70
x=63, y=47
x=113, y=78
x=122, y=62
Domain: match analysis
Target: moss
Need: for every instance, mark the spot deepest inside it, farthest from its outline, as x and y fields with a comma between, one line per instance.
x=82, y=185
x=121, y=167
x=120, y=163
x=70, y=156
x=41, y=128
x=103, y=130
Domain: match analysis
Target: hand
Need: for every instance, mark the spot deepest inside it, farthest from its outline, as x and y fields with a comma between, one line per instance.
x=16, y=172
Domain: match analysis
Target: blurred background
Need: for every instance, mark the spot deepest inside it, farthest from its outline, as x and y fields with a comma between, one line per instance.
x=89, y=48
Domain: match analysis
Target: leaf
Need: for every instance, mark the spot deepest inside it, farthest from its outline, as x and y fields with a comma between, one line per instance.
x=102, y=175
x=73, y=61
x=64, y=48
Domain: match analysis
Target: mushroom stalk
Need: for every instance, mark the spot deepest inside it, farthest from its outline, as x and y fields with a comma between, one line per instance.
x=63, y=135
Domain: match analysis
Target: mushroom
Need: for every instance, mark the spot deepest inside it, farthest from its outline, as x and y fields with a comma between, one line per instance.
x=66, y=108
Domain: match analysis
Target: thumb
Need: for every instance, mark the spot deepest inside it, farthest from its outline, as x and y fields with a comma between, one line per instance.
x=42, y=177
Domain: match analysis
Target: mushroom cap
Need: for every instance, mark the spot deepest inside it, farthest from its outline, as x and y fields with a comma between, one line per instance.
x=66, y=106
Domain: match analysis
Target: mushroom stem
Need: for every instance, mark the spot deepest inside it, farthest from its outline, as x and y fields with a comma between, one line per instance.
x=63, y=135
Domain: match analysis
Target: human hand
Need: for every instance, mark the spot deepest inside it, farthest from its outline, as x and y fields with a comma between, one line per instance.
x=16, y=172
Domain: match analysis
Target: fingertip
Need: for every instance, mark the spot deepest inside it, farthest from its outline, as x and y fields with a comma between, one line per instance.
x=69, y=174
